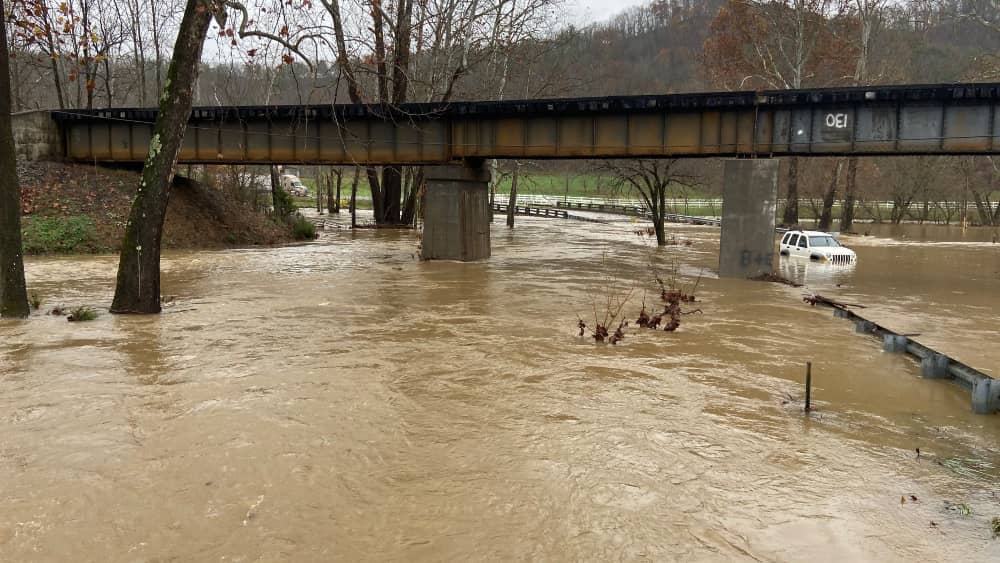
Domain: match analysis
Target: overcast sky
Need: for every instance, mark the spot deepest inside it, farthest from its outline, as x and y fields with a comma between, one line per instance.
x=586, y=11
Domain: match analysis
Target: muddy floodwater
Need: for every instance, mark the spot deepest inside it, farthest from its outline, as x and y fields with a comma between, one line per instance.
x=342, y=400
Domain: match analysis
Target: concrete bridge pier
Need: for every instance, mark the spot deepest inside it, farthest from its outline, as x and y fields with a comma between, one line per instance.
x=457, y=212
x=749, y=195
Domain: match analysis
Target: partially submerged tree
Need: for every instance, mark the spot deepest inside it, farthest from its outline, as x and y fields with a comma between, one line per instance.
x=651, y=180
x=333, y=199
x=138, y=284
x=13, y=295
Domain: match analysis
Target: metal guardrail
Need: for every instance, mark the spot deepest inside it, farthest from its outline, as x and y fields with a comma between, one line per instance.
x=604, y=207
x=933, y=364
x=531, y=211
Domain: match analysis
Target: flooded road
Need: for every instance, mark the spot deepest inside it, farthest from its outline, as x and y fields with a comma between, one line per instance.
x=343, y=400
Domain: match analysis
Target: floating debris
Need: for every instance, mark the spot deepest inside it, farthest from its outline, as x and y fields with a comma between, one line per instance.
x=775, y=278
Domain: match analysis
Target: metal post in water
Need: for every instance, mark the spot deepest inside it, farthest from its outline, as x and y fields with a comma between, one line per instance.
x=809, y=366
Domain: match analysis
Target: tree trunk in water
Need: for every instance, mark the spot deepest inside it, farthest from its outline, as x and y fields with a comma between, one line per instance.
x=333, y=201
x=13, y=295
x=354, y=198
x=659, y=211
x=409, y=214
x=319, y=193
x=392, y=193
x=512, y=201
x=847, y=215
x=138, y=285
x=375, y=187
x=826, y=217
x=791, y=216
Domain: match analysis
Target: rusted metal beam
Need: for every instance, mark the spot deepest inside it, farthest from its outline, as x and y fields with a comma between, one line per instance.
x=897, y=120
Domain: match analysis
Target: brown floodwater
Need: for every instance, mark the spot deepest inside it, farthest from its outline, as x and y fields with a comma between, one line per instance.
x=342, y=400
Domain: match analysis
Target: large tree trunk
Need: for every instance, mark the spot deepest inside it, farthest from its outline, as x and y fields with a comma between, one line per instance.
x=138, y=287
x=512, y=202
x=375, y=187
x=277, y=204
x=13, y=295
x=659, y=211
x=850, y=191
x=392, y=194
x=791, y=216
x=354, y=197
x=416, y=182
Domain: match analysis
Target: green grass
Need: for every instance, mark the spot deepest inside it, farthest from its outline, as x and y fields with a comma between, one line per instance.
x=64, y=235
x=542, y=183
x=364, y=191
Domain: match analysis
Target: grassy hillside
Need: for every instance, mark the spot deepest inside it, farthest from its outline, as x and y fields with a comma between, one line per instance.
x=83, y=209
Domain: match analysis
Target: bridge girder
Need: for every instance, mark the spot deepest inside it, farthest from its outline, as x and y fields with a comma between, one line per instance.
x=898, y=120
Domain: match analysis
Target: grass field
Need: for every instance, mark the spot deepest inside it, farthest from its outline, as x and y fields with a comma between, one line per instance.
x=577, y=185
x=596, y=186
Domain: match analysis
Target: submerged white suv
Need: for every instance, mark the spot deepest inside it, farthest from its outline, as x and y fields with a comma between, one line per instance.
x=815, y=245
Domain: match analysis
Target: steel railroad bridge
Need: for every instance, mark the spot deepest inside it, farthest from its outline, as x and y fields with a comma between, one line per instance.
x=454, y=139
x=887, y=120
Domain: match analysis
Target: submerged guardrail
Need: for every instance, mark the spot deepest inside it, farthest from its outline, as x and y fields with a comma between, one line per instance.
x=933, y=364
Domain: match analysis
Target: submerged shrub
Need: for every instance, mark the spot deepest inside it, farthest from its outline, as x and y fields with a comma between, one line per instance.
x=303, y=229
x=81, y=314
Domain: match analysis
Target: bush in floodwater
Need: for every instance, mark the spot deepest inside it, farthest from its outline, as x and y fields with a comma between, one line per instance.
x=35, y=301
x=303, y=229
x=64, y=235
x=995, y=524
x=81, y=314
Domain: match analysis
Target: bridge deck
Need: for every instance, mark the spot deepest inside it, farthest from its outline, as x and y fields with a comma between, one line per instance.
x=891, y=120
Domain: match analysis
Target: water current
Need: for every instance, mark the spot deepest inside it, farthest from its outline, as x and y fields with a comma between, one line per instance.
x=343, y=400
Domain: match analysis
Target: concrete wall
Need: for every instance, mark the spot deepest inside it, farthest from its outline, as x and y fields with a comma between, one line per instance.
x=749, y=193
x=36, y=136
x=456, y=213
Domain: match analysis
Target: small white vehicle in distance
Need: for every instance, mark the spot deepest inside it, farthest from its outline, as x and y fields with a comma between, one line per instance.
x=815, y=245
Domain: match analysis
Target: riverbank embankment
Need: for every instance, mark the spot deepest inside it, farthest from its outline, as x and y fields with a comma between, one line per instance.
x=78, y=209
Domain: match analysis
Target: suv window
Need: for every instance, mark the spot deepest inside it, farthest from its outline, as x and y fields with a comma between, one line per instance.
x=793, y=240
x=802, y=242
x=823, y=241
x=784, y=239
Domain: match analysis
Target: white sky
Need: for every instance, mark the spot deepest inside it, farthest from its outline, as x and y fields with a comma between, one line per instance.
x=586, y=11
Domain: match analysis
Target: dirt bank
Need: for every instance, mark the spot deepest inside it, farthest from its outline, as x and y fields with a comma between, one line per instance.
x=75, y=209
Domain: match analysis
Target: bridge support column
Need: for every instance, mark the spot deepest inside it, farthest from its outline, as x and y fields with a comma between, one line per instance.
x=457, y=213
x=749, y=193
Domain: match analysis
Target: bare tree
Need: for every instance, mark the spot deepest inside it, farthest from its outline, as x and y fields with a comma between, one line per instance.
x=332, y=199
x=652, y=180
